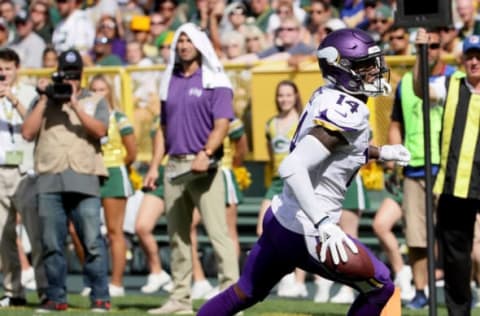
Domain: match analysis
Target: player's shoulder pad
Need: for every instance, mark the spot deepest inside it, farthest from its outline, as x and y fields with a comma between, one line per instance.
x=338, y=111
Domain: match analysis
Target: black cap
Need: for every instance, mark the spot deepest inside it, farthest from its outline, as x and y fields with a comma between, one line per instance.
x=70, y=61
x=21, y=17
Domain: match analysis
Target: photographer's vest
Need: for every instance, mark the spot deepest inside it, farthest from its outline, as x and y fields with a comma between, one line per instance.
x=412, y=109
x=459, y=173
x=63, y=142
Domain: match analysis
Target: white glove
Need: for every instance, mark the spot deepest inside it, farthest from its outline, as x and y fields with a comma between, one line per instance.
x=333, y=238
x=397, y=153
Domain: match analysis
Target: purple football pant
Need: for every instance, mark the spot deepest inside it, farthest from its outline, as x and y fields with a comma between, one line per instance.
x=278, y=252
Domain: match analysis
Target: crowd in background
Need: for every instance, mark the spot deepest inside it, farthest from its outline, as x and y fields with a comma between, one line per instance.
x=140, y=33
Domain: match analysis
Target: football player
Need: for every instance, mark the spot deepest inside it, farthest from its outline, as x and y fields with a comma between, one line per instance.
x=330, y=145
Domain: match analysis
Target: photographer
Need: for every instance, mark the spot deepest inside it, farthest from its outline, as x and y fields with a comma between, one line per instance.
x=16, y=161
x=67, y=123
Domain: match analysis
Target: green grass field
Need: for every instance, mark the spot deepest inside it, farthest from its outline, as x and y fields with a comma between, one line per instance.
x=135, y=305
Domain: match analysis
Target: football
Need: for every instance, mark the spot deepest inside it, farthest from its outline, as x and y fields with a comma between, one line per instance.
x=358, y=266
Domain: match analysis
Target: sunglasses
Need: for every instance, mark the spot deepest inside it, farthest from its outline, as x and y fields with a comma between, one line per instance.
x=62, y=1
x=434, y=45
x=164, y=46
x=290, y=29
x=399, y=37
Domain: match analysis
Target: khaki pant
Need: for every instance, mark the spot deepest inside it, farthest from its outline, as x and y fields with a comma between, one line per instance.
x=208, y=194
x=10, y=177
x=415, y=213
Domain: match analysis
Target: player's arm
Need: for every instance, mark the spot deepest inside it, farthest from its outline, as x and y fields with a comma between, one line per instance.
x=311, y=151
x=435, y=96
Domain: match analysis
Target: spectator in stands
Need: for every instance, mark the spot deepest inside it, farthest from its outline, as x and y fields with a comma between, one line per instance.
x=16, y=163
x=407, y=127
x=140, y=27
x=466, y=13
x=255, y=40
x=398, y=42
x=319, y=14
x=128, y=9
x=235, y=148
x=49, y=57
x=289, y=44
x=28, y=44
x=353, y=14
x=261, y=11
x=157, y=27
x=40, y=16
x=233, y=45
x=380, y=24
x=8, y=12
x=235, y=18
x=3, y=34
x=102, y=52
x=151, y=208
x=119, y=152
x=75, y=30
x=164, y=42
x=457, y=181
x=168, y=10
x=450, y=41
x=181, y=89
x=284, y=9
x=70, y=188
x=108, y=27
x=100, y=8
x=323, y=30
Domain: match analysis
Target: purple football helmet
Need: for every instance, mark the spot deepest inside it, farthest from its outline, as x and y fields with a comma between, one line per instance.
x=346, y=56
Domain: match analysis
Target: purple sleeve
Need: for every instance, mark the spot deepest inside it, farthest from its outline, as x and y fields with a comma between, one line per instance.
x=222, y=103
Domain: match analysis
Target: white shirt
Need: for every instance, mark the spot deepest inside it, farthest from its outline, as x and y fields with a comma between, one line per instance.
x=10, y=119
x=334, y=110
x=30, y=49
x=76, y=31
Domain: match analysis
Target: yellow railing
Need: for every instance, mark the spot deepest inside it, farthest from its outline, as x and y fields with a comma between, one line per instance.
x=254, y=98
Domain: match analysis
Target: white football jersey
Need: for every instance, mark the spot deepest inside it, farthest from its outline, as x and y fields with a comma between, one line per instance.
x=336, y=111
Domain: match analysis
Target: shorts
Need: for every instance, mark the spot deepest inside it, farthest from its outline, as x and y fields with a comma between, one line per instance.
x=356, y=198
x=414, y=212
x=275, y=188
x=159, y=191
x=118, y=183
x=233, y=194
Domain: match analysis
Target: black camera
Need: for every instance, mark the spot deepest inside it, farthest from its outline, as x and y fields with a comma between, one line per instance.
x=60, y=90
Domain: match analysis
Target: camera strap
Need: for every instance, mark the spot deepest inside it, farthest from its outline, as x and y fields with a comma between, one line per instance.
x=8, y=110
